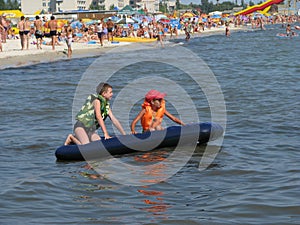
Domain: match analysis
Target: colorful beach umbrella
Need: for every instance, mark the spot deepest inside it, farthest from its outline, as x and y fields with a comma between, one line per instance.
x=188, y=15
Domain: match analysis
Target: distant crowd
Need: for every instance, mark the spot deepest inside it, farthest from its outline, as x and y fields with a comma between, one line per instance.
x=102, y=30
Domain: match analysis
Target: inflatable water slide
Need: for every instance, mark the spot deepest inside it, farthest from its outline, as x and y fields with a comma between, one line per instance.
x=259, y=7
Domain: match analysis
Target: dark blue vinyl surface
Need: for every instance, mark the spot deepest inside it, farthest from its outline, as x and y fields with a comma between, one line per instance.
x=124, y=144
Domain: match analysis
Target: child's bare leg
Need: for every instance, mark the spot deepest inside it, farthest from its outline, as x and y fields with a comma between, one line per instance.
x=72, y=139
x=81, y=135
x=95, y=137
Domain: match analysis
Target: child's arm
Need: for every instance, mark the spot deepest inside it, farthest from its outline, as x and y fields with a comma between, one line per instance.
x=97, y=110
x=116, y=122
x=175, y=119
x=136, y=119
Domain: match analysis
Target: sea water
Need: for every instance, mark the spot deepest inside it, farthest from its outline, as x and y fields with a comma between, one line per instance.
x=254, y=179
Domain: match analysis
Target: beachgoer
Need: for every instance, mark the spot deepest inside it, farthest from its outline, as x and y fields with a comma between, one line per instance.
x=1, y=29
x=26, y=36
x=5, y=25
x=21, y=30
x=288, y=30
x=38, y=24
x=69, y=40
x=227, y=31
x=160, y=33
x=93, y=114
x=187, y=34
x=53, y=31
x=100, y=32
x=153, y=110
x=110, y=27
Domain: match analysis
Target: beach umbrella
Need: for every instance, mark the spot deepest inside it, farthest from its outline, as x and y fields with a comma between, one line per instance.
x=91, y=22
x=60, y=24
x=76, y=24
x=112, y=18
x=136, y=19
x=216, y=16
x=164, y=21
x=160, y=16
x=225, y=19
x=188, y=15
x=125, y=21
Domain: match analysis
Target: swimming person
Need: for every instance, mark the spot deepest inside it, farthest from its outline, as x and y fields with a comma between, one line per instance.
x=153, y=110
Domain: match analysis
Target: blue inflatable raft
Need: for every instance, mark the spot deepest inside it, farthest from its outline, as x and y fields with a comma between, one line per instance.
x=191, y=134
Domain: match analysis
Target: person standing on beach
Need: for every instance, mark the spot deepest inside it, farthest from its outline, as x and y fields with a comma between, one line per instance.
x=100, y=32
x=110, y=27
x=27, y=27
x=21, y=31
x=53, y=30
x=38, y=25
x=4, y=24
x=1, y=29
x=160, y=33
x=69, y=40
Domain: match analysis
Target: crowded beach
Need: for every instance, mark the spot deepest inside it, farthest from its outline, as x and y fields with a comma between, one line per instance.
x=59, y=37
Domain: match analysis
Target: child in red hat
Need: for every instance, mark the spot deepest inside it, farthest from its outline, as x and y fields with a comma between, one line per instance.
x=153, y=110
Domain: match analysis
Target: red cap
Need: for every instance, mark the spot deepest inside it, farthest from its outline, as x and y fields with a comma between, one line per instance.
x=154, y=94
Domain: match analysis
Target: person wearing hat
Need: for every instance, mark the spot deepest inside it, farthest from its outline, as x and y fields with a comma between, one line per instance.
x=92, y=116
x=153, y=110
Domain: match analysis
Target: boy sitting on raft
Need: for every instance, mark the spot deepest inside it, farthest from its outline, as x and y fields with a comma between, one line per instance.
x=152, y=113
x=92, y=116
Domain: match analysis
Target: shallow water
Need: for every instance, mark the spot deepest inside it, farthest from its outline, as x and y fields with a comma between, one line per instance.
x=253, y=180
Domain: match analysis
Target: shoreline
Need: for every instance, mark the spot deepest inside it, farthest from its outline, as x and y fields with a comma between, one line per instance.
x=13, y=57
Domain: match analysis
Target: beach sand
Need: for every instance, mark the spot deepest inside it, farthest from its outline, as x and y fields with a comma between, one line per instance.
x=13, y=56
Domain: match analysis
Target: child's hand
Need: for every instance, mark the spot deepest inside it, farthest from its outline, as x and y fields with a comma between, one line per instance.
x=106, y=136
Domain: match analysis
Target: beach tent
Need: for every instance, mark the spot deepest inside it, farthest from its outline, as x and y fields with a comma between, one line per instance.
x=141, y=12
x=125, y=21
x=127, y=10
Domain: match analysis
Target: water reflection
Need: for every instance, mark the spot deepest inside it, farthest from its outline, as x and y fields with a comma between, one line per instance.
x=155, y=203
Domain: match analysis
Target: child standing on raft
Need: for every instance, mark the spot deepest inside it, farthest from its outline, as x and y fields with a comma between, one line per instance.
x=92, y=116
x=153, y=110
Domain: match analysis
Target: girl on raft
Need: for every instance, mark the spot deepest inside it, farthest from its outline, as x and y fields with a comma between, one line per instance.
x=92, y=116
x=152, y=113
